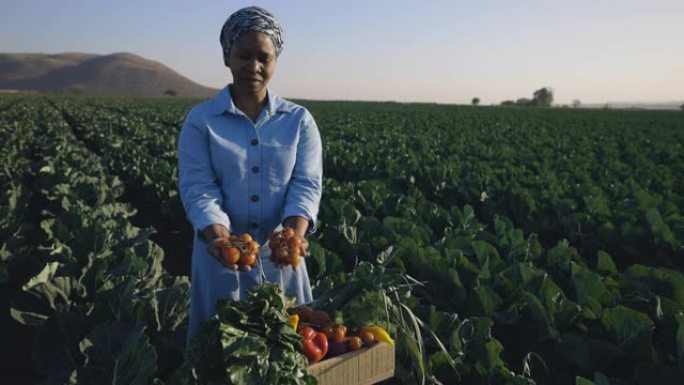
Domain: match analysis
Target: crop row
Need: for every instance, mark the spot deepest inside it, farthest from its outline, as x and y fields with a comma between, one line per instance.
x=96, y=292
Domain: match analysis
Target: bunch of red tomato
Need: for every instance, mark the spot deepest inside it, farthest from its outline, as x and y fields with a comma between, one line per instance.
x=239, y=252
x=286, y=247
x=324, y=339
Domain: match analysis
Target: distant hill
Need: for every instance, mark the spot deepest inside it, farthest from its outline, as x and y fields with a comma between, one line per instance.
x=115, y=74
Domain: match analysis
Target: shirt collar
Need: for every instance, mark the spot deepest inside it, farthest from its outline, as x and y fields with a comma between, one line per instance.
x=223, y=102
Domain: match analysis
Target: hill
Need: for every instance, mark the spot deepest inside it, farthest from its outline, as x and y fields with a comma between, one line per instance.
x=115, y=74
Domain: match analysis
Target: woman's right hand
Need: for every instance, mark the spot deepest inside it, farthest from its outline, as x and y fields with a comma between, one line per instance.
x=214, y=247
x=215, y=236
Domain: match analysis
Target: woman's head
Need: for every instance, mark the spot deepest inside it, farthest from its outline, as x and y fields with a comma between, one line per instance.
x=252, y=40
x=250, y=19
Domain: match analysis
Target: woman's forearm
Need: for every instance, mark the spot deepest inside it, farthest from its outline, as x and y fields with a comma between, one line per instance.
x=298, y=224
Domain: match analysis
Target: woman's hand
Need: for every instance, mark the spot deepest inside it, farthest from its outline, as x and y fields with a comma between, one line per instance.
x=215, y=236
x=214, y=247
x=304, y=246
x=299, y=225
x=293, y=236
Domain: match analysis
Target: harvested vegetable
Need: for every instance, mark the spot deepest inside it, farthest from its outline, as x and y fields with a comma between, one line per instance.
x=248, y=342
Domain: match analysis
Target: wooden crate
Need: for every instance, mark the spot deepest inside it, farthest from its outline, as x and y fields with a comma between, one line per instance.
x=363, y=367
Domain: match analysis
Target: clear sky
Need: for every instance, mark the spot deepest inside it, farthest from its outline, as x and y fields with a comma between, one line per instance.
x=429, y=51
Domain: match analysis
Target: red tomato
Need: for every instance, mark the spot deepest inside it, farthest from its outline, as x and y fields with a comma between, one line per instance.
x=253, y=246
x=247, y=259
x=288, y=233
x=339, y=333
x=231, y=255
x=293, y=259
x=328, y=331
x=295, y=242
x=355, y=343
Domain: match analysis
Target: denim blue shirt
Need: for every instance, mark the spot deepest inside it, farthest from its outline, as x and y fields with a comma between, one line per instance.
x=249, y=177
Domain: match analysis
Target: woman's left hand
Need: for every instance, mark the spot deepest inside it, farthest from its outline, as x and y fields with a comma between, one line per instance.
x=299, y=225
x=303, y=247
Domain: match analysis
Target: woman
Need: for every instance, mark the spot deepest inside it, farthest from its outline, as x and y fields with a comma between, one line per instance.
x=249, y=162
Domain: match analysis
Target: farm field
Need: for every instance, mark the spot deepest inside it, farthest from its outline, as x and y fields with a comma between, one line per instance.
x=536, y=245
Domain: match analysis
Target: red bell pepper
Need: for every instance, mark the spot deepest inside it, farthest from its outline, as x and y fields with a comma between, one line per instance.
x=315, y=344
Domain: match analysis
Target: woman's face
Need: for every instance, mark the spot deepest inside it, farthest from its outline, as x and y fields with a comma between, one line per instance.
x=252, y=61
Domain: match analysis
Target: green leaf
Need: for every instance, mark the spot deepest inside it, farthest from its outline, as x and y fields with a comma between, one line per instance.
x=488, y=258
x=117, y=353
x=409, y=344
x=649, y=373
x=55, y=346
x=491, y=360
x=600, y=379
x=560, y=256
x=589, y=285
x=659, y=229
x=44, y=276
x=662, y=281
x=484, y=301
x=605, y=264
x=240, y=344
x=440, y=366
x=368, y=308
x=43, y=293
x=400, y=227
x=629, y=329
x=680, y=339
x=168, y=307
x=539, y=315
x=587, y=353
x=583, y=381
x=119, y=303
x=316, y=261
x=341, y=213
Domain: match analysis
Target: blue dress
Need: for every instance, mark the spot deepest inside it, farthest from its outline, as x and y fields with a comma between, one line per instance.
x=249, y=177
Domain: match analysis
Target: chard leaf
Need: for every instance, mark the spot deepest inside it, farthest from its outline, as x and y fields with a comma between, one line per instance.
x=659, y=229
x=605, y=264
x=629, y=329
x=55, y=349
x=680, y=339
x=117, y=353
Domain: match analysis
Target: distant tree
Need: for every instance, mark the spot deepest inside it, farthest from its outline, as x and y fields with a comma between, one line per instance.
x=576, y=103
x=524, y=102
x=170, y=92
x=682, y=107
x=476, y=101
x=508, y=103
x=543, y=97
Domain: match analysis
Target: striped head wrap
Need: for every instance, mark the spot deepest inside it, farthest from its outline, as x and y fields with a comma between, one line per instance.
x=250, y=19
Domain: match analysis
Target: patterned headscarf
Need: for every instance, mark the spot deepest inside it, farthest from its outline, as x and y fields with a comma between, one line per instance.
x=250, y=19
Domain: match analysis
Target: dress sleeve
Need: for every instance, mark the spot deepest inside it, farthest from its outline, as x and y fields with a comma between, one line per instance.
x=197, y=183
x=304, y=190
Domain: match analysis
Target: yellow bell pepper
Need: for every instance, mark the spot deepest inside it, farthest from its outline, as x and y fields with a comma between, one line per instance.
x=294, y=321
x=379, y=333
